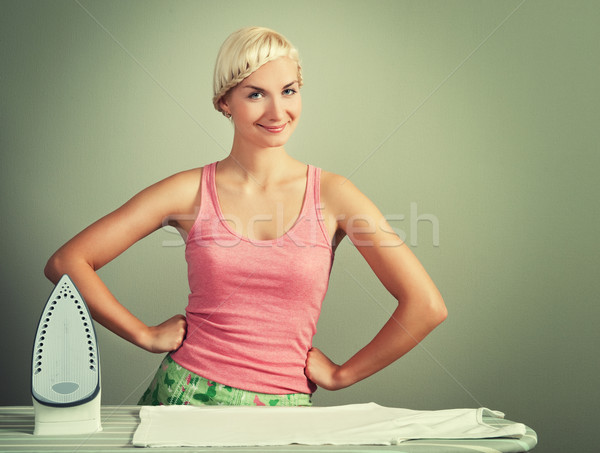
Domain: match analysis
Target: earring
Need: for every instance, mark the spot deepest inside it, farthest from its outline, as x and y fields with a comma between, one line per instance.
x=227, y=115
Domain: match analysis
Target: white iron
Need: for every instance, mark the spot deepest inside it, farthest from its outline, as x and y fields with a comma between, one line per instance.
x=65, y=367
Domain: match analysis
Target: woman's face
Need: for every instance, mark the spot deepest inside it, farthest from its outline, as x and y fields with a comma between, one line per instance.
x=265, y=107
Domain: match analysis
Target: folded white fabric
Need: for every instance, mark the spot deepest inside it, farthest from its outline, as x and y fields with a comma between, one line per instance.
x=355, y=424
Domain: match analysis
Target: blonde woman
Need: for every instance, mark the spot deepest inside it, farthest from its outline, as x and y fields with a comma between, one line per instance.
x=260, y=230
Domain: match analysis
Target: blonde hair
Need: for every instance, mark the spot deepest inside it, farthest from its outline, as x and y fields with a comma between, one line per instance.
x=243, y=52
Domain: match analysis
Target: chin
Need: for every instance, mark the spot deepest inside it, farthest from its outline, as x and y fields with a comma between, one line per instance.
x=277, y=144
x=276, y=141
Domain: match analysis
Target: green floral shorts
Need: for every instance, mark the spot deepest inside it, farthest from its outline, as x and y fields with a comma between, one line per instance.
x=173, y=384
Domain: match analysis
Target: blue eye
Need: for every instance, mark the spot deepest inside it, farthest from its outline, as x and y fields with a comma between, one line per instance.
x=289, y=92
x=255, y=95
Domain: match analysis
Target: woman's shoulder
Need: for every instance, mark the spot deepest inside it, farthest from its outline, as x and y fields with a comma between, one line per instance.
x=176, y=197
x=180, y=190
x=336, y=186
x=329, y=178
x=181, y=182
x=342, y=196
x=184, y=176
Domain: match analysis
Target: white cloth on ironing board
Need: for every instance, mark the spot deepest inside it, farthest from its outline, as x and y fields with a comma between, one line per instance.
x=354, y=424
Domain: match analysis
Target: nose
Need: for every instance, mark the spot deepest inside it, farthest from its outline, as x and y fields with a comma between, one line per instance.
x=276, y=110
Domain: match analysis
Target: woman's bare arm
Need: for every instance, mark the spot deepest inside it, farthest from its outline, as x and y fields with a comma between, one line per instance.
x=420, y=306
x=110, y=236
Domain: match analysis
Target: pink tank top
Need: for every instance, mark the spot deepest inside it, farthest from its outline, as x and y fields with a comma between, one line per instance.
x=254, y=305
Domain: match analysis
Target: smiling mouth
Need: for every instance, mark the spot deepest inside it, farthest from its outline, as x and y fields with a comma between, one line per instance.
x=274, y=129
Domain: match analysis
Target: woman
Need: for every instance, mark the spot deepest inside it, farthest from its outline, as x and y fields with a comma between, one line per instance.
x=260, y=231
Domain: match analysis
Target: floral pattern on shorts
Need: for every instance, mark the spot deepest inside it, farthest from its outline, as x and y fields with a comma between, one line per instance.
x=174, y=385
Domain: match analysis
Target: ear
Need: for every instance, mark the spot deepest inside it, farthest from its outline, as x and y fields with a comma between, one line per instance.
x=224, y=106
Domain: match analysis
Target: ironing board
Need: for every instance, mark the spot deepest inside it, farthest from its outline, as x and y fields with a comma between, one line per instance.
x=120, y=422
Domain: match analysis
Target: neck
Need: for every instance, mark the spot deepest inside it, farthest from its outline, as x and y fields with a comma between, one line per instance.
x=261, y=165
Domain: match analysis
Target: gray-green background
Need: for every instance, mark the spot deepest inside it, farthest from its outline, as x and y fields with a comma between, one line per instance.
x=471, y=123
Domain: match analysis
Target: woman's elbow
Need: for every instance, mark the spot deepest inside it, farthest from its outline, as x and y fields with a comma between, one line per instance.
x=428, y=308
x=59, y=264
x=52, y=269
x=437, y=311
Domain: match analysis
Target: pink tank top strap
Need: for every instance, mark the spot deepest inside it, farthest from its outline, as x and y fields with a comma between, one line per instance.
x=317, y=206
x=208, y=195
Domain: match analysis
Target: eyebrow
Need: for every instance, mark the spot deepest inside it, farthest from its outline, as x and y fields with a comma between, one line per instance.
x=262, y=89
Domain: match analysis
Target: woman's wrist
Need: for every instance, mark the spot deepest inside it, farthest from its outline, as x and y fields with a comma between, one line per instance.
x=143, y=337
x=344, y=377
